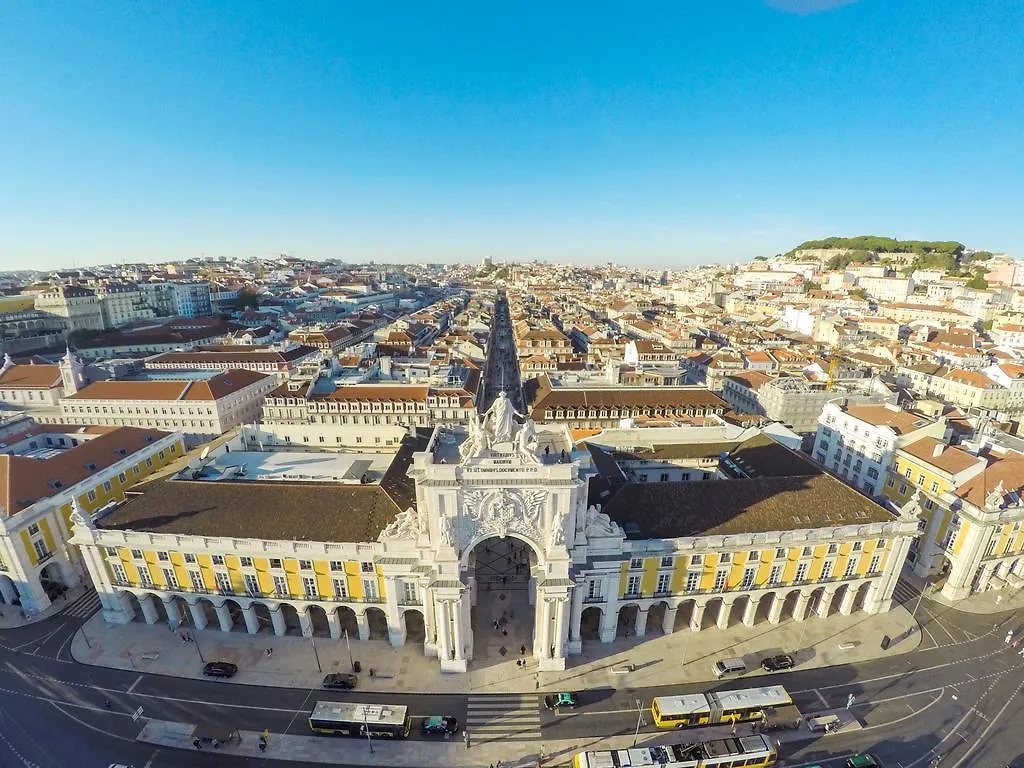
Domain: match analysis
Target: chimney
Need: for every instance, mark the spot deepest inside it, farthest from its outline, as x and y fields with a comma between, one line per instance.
x=937, y=451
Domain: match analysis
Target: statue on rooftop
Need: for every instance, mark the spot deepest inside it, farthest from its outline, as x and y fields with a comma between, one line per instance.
x=500, y=419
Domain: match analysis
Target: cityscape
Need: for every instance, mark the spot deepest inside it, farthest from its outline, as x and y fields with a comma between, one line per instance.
x=660, y=496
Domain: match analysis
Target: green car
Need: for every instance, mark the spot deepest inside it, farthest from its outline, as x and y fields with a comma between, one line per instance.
x=561, y=701
x=865, y=760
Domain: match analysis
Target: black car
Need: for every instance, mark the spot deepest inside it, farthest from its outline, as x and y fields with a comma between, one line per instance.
x=778, y=663
x=439, y=725
x=220, y=669
x=341, y=681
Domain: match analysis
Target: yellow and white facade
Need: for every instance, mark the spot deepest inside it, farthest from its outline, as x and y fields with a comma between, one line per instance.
x=44, y=473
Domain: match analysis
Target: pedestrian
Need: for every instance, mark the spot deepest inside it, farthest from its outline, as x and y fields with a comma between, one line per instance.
x=504, y=632
x=197, y=744
x=733, y=731
x=495, y=625
x=522, y=650
x=270, y=652
x=510, y=614
x=263, y=746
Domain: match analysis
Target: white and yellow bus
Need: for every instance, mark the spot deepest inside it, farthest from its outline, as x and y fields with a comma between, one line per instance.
x=692, y=710
x=755, y=751
x=338, y=718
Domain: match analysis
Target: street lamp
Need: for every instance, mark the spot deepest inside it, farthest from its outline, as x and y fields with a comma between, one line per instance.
x=366, y=727
x=351, y=663
x=315, y=654
x=639, y=720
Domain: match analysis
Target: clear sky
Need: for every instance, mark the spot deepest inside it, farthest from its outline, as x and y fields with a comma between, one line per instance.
x=652, y=133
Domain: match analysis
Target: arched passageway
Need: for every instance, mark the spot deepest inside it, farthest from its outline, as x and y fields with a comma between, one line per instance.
x=378, y=623
x=656, y=619
x=501, y=575
x=684, y=616
x=415, y=628
x=318, y=621
x=626, y=625
x=349, y=623
x=590, y=623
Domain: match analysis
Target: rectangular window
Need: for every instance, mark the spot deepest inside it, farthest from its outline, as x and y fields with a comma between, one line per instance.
x=252, y=584
x=33, y=530
x=196, y=577
x=120, y=576
x=826, y=569
x=246, y=562
x=851, y=567
x=890, y=482
x=170, y=578
x=340, y=588
x=337, y=565
x=305, y=565
x=594, y=587
x=696, y=559
x=807, y=552
x=876, y=562
x=833, y=548
x=111, y=551
x=692, y=581
x=366, y=567
x=280, y=586
x=189, y=557
x=163, y=557
x=145, y=578
x=217, y=559
x=667, y=562
x=920, y=479
x=636, y=563
x=858, y=546
x=801, y=572
x=633, y=585
x=935, y=486
x=780, y=553
x=410, y=592
x=775, y=577
x=106, y=486
x=91, y=495
x=40, y=547
x=309, y=586
x=664, y=477
x=748, y=578
x=370, y=589
x=663, y=582
x=726, y=557
x=275, y=562
x=223, y=582
x=720, y=578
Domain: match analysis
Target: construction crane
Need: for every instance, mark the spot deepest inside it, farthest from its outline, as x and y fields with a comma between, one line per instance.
x=833, y=371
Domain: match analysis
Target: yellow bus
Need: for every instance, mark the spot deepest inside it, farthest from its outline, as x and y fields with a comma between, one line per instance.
x=755, y=751
x=337, y=718
x=692, y=710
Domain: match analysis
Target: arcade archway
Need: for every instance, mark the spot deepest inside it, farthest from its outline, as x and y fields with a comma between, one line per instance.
x=500, y=572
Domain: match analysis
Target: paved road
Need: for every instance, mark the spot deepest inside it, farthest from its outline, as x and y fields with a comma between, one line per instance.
x=958, y=696
x=502, y=369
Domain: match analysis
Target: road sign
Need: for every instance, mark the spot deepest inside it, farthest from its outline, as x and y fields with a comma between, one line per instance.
x=136, y=715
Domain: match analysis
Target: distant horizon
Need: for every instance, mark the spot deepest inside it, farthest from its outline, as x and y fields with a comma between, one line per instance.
x=668, y=136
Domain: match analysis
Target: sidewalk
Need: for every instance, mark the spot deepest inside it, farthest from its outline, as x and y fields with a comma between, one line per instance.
x=12, y=617
x=681, y=657
x=992, y=601
x=419, y=754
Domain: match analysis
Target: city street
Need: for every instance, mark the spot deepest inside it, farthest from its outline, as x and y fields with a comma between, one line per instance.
x=958, y=699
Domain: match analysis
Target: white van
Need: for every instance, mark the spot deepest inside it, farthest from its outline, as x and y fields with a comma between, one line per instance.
x=724, y=667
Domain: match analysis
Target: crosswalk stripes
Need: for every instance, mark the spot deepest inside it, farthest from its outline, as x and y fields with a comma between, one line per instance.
x=83, y=607
x=505, y=717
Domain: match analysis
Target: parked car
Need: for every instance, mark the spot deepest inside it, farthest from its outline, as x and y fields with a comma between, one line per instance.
x=864, y=760
x=439, y=725
x=778, y=663
x=564, y=700
x=220, y=669
x=342, y=681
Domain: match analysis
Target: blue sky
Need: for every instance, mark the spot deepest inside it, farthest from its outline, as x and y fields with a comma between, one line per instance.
x=649, y=133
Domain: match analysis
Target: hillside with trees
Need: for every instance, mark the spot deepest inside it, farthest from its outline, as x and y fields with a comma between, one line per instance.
x=876, y=244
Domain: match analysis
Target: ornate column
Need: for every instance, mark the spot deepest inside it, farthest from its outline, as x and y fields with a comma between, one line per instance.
x=277, y=619
x=444, y=640
x=396, y=631
x=825, y=602
x=698, y=616
x=846, y=605
x=750, y=612
x=561, y=612
x=668, y=624
x=800, y=609
x=775, y=612
x=199, y=620
x=558, y=610
x=429, y=623
x=173, y=611
x=610, y=616
x=224, y=618
x=149, y=611
x=542, y=629
x=576, y=619
x=455, y=658
x=640, y=622
x=252, y=621
x=334, y=624
x=458, y=642
x=724, y=611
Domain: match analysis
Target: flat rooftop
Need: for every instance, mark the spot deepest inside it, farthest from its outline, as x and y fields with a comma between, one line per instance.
x=291, y=466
